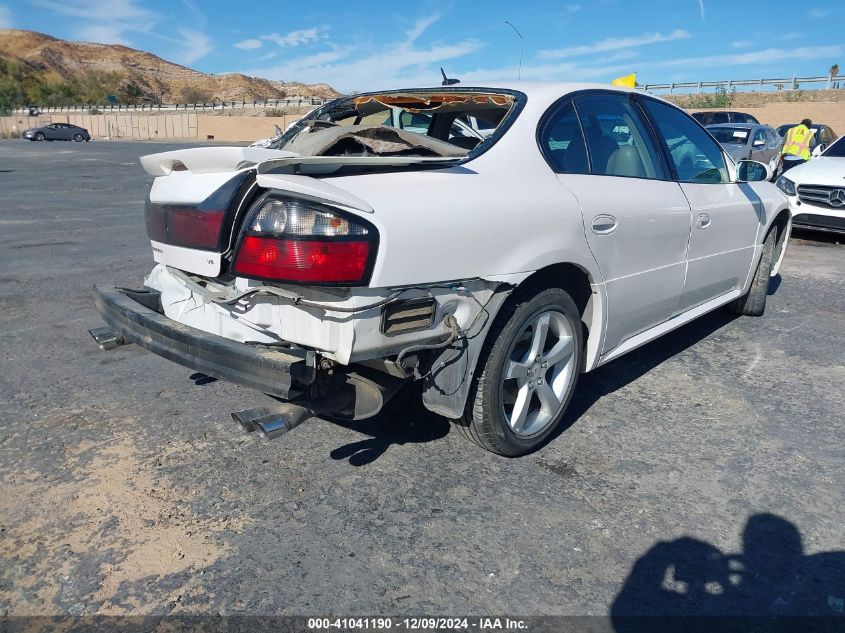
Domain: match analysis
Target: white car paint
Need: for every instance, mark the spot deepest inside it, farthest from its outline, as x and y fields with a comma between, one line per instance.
x=458, y=232
x=828, y=173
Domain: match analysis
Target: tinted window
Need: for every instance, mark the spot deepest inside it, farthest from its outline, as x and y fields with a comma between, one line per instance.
x=759, y=137
x=837, y=150
x=694, y=154
x=734, y=135
x=617, y=140
x=563, y=143
x=721, y=117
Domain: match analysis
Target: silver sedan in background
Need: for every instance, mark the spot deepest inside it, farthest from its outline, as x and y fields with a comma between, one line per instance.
x=748, y=141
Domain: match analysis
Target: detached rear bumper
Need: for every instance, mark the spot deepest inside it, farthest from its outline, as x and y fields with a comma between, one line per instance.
x=135, y=315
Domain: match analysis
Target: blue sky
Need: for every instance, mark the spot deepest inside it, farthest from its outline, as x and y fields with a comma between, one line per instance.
x=365, y=45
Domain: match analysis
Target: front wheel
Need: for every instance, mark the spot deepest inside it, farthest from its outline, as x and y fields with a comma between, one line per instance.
x=78, y=138
x=526, y=373
x=39, y=136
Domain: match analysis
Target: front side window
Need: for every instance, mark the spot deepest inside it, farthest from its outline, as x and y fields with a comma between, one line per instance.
x=759, y=138
x=618, y=142
x=694, y=154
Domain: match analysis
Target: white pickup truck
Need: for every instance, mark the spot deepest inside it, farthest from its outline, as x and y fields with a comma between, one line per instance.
x=352, y=255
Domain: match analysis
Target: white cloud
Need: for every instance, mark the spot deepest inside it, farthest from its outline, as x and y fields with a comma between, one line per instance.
x=249, y=45
x=5, y=17
x=612, y=44
x=364, y=65
x=295, y=38
x=196, y=45
x=742, y=44
x=104, y=21
x=701, y=9
x=573, y=8
x=767, y=56
x=820, y=13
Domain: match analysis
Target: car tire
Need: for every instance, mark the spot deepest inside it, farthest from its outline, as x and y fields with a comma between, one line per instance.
x=39, y=136
x=753, y=302
x=78, y=138
x=526, y=374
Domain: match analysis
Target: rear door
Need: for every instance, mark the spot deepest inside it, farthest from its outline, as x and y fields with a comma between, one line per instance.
x=636, y=219
x=726, y=216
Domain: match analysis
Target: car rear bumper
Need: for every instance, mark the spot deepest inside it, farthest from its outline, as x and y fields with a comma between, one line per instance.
x=136, y=316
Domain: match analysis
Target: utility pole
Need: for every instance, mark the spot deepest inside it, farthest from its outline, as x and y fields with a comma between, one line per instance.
x=521, y=44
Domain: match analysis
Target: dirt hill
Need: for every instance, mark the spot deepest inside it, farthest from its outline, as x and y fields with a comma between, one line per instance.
x=55, y=59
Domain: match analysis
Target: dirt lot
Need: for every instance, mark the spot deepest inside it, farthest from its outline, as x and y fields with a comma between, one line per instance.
x=127, y=489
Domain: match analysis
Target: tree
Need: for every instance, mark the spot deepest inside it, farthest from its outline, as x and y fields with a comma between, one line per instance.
x=193, y=94
x=132, y=93
x=834, y=72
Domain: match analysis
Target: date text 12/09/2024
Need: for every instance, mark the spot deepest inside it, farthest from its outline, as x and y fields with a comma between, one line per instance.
x=418, y=623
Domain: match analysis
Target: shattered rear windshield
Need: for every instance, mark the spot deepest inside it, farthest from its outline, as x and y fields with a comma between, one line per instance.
x=427, y=123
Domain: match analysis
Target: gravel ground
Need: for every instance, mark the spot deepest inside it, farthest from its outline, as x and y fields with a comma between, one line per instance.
x=713, y=455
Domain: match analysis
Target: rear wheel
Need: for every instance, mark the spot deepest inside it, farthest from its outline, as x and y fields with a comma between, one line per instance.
x=753, y=303
x=526, y=373
x=78, y=138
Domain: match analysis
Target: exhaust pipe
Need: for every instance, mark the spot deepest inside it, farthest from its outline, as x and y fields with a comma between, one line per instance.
x=273, y=421
x=106, y=338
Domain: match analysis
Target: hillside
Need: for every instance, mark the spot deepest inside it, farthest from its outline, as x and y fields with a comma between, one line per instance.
x=137, y=75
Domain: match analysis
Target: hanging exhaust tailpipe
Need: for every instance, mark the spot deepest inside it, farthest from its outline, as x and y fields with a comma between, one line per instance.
x=106, y=338
x=273, y=421
x=350, y=396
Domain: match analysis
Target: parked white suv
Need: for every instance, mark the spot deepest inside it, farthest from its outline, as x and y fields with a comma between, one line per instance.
x=816, y=190
x=351, y=257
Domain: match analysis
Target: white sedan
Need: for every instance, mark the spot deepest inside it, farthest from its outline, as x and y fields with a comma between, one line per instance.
x=816, y=190
x=352, y=257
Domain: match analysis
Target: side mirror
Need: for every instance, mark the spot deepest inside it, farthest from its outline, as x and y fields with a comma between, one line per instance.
x=817, y=151
x=752, y=171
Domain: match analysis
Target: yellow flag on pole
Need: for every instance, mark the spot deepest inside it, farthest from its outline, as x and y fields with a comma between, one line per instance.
x=628, y=81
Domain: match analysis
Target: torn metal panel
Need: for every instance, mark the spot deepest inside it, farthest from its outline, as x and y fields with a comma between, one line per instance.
x=367, y=140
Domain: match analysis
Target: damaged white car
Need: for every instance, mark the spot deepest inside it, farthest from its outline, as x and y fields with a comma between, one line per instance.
x=385, y=238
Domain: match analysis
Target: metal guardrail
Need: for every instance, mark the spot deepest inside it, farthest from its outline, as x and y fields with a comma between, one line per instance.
x=181, y=107
x=792, y=83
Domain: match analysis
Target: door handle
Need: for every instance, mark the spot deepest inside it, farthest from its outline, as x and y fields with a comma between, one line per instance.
x=702, y=221
x=604, y=224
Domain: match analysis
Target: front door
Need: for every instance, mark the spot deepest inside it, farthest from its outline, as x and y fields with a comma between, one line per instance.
x=636, y=219
x=726, y=216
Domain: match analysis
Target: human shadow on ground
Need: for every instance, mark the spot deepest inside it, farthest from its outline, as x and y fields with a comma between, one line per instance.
x=772, y=585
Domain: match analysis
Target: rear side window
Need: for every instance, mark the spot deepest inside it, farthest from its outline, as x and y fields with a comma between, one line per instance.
x=563, y=143
x=694, y=154
x=618, y=142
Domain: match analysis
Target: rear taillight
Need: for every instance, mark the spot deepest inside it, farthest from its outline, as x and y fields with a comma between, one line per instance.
x=198, y=225
x=297, y=241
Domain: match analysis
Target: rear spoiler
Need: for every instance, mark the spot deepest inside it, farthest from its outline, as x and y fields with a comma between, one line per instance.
x=204, y=160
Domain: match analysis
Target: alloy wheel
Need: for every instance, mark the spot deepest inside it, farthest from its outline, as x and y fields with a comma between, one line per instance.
x=538, y=372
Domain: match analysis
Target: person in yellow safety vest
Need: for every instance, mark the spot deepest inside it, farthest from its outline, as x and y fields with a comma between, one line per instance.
x=796, y=147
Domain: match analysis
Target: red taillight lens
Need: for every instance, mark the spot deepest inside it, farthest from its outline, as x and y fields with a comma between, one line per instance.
x=308, y=261
x=193, y=228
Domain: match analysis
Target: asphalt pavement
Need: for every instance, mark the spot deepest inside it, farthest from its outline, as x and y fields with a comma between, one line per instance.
x=693, y=471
